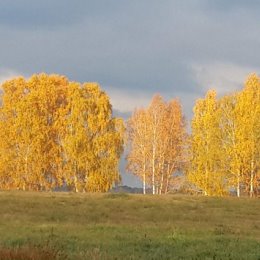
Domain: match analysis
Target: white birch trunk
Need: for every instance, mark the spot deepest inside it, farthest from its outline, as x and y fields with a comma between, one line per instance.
x=144, y=181
x=238, y=187
x=153, y=173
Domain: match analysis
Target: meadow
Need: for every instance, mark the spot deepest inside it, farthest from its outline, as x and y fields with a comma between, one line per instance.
x=122, y=226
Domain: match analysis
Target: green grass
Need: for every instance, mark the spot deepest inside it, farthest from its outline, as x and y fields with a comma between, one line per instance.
x=121, y=226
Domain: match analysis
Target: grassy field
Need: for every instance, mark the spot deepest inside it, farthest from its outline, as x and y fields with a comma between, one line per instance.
x=110, y=226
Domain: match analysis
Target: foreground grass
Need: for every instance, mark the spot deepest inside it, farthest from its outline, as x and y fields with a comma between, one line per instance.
x=109, y=226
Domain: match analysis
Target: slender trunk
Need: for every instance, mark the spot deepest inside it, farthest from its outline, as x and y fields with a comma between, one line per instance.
x=162, y=174
x=252, y=179
x=153, y=173
x=238, y=187
x=144, y=181
x=75, y=177
x=76, y=183
x=167, y=179
x=161, y=185
x=206, y=182
x=26, y=173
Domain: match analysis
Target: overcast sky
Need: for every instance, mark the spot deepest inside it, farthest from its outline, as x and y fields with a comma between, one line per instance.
x=134, y=48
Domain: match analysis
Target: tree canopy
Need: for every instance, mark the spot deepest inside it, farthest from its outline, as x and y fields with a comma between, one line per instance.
x=54, y=132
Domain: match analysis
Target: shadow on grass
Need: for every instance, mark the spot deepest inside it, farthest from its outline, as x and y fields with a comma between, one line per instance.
x=117, y=195
x=31, y=252
x=46, y=250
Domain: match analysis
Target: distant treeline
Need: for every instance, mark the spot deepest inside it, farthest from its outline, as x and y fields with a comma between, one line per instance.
x=56, y=133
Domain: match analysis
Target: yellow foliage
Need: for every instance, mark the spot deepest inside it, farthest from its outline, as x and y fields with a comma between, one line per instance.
x=55, y=132
x=225, y=138
x=156, y=138
x=205, y=169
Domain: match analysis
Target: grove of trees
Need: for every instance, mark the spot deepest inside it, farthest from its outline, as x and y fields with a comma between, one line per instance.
x=225, y=141
x=221, y=154
x=57, y=133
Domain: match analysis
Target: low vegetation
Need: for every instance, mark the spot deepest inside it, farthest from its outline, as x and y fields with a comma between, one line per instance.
x=122, y=226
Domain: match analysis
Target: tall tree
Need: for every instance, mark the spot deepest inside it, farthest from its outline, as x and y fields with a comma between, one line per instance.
x=156, y=135
x=137, y=159
x=240, y=127
x=249, y=108
x=206, y=171
x=176, y=141
x=232, y=141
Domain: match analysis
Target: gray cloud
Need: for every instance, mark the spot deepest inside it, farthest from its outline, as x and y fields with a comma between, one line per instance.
x=136, y=46
x=231, y=5
x=50, y=15
x=39, y=14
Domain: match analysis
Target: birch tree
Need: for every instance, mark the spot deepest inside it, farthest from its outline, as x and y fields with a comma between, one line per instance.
x=137, y=134
x=156, y=137
x=156, y=134
x=249, y=106
x=176, y=141
x=206, y=171
x=232, y=141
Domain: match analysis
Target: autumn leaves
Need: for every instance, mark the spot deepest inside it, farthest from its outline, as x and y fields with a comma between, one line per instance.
x=54, y=132
x=59, y=133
